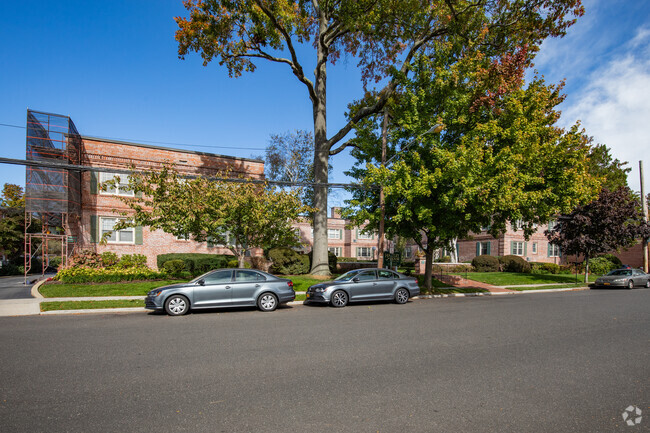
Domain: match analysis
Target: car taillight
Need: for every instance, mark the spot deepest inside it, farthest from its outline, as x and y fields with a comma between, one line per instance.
x=290, y=284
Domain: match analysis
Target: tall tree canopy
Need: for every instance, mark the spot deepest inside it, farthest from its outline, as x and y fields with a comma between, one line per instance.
x=501, y=158
x=611, y=222
x=238, y=215
x=12, y=220
x=384, y=36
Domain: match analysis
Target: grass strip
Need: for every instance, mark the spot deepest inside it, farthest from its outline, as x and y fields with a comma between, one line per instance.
x=514, y=279
x=89, y=305
x=559, y=286
x=131, y=288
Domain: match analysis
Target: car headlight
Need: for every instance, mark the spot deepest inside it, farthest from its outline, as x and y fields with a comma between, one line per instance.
x=320, y=289
x=155, y=293
x=618, y=280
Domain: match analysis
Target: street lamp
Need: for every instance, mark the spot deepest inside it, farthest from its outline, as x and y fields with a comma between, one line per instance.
x=435, y=129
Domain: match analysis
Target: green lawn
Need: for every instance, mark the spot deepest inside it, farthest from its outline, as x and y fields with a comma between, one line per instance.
x=88, y=305
x=131, y=288
x=439, y=291
x=302, y=282
x=514, y=279
x=559, y=286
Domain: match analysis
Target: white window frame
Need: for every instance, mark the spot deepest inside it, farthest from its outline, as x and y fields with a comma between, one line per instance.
x=518, y=248
x=334, y=234
x=553, y=250
x=534, y=248
x=104, y=221
x=364, y=249
x=335, y=250
x=120, y=189
x=484, y=248
x=365, y=236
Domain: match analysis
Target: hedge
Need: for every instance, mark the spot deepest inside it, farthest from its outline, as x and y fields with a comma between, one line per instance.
x=195, y=263
x=485, y=263
x=288, y=262
x=512, y=263
x=88, y=275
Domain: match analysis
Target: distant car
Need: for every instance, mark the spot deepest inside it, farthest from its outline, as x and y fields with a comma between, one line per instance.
x=624, y=278
x=223, y=288
x=364, y=285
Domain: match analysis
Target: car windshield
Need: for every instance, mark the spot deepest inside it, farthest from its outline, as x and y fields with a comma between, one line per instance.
x=200, y=277
x=621, y=272
x=347, y=276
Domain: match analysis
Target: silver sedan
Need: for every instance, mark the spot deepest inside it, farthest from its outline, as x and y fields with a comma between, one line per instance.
x=629, y=278
x=364, y=285
x=223, y=288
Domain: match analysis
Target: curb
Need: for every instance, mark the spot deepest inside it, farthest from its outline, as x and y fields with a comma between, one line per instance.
x=35, y=293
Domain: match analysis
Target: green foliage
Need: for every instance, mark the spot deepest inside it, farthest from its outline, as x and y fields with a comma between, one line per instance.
x=132, y=261
x=544, y=268
x=332, y=260
x=101, y=275
x=12, y=221
x=174, y=267
x=612, y=258
x=232, y=263
x=11, y=269
x=602, y=265
x=288, y=262
x=485, y=263
x=86, y=259
x=444, y=259
x=12, y=196
x=110, y=259
x=196, y=264
x=512, y=263
x=347, y=259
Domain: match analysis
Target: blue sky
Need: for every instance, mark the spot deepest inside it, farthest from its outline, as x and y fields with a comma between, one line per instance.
x=113, y=68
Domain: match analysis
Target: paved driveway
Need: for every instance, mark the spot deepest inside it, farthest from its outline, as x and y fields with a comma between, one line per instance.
x=14, y=287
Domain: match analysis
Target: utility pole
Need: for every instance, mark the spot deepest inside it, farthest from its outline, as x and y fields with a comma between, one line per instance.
x=382, y=202
x=644, y=203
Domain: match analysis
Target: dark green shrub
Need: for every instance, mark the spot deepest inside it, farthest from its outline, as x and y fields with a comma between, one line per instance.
x=485, y=263
x=90, y=275
x=514, y=264
x=551, y=268
x=460, y=269
x=195, y=263
x=601, y=265
x=174, y=267
x=132, y=261
x=109, y=259
x=234, y=263
x=444, y=259
x=11, y=269
x=287, y=261
x=612, y=258
x=347, y=259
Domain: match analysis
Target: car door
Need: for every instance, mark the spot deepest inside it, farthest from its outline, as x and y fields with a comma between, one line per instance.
x=386, y=284
x=363, y=286
x=214, y=290
x=246, y=286
x=640, y=278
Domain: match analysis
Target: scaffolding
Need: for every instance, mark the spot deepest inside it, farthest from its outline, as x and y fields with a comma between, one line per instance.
x=52, y=194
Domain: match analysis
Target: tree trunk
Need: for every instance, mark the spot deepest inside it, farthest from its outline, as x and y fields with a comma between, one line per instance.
x=454, y=250
x=382, y=203
x=428, y=268
x=241, y=259
x=586, y=268
x=320, y=264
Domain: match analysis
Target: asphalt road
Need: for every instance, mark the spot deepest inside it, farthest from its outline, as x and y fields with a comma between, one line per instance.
x=15, y=288
x=561, y=362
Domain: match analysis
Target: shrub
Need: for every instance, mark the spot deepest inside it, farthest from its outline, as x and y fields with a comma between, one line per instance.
x=286, y=261
x=234, y=263
x=11, y=269
x=261, y=263
x=514, y=264
x=92, y=275
x=174, y=267
x=460, y=269
x=109, y=259
x=551, y=268
x=347, y=259
x=196, y=264
x=86, y=258
x=485, y=263
x=601, y=265
x=612, y=258
x=132, y=261
x=444, y=259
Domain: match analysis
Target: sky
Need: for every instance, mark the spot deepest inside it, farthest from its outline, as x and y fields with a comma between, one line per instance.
x=113, y=67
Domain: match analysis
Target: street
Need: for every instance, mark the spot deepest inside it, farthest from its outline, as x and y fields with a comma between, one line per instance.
x=556, y=362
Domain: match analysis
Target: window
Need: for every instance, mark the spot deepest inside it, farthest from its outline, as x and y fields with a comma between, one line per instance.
x=386, y=275
x=335, y=250
x=218, y=277
x=483, y=248
x=125, y=236
x=122, y=188
x=334, y=233
x=518, y=248
x=183, y=238
x=366, y=276
x=552, y=224
x=534, y=248
x=553, y=250
x=244, y=276
x=364, y=252
x=363, y=235
x=408, y=253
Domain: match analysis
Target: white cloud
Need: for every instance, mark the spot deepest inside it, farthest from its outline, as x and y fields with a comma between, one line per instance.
x=614, y=105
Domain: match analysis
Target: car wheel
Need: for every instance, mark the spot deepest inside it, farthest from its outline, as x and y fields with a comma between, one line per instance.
x=267, y=302
x=339, y=299
x=630, y=284
x=401, y=296
x=647, y=284
x=177, y=305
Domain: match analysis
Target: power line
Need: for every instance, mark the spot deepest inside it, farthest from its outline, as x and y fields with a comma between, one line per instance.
x=63, y=166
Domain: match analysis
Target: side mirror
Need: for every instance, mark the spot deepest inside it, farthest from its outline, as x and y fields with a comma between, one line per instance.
x=201, y=282
x=355, y=279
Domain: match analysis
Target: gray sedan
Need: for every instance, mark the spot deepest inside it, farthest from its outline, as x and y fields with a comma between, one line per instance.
x=364, y=285
x=223, y=288
x=624, y=278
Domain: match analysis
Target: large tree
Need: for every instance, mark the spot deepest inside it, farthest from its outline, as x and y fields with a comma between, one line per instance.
x=611, y=222
x=502, y=157
x=384, y=36
x=239, y=215
x=12, y=220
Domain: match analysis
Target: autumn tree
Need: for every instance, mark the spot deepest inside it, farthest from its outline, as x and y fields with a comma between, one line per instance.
x=611, y=222
x=383, y=37
x=237, y=214
x=12, y=220
x=501, y=157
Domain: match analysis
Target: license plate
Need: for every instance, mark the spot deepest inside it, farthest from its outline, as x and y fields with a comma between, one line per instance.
x=605, y=284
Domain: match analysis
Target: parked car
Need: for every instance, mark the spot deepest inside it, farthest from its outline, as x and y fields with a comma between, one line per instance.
x=364, y=285
x=223, y=288
x=624, y=278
